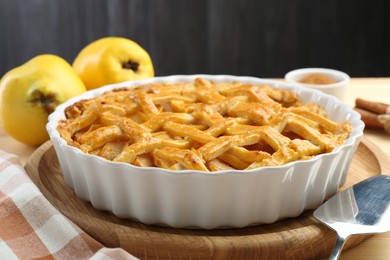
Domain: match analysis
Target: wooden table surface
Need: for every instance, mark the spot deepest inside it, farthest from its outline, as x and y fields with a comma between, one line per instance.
x=375, y=89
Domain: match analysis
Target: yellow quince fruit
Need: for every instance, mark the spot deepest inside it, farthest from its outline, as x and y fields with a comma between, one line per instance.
x=112, y=60
x=30, y=92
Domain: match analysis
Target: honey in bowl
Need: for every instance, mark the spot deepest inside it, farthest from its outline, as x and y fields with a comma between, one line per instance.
x=317, y=79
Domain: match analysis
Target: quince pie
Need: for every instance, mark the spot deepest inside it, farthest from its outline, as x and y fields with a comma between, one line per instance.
x=201, y=125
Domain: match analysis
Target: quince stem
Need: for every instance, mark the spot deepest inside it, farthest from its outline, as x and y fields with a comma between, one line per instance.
x=130, y=65
x=48, y=101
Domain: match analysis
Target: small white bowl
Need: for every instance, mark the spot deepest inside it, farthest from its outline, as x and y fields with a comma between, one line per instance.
x=337, y=89
x=189, y=198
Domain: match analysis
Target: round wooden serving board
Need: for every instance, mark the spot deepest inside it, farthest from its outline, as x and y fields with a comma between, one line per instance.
x=296, y=238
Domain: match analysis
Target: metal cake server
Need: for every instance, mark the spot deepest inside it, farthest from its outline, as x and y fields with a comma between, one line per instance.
x=363, y=208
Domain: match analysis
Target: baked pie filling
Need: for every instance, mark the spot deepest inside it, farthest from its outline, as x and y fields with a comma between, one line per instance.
x=201, y=125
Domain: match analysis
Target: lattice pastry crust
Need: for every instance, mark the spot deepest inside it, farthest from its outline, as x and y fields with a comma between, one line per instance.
x=201, y=125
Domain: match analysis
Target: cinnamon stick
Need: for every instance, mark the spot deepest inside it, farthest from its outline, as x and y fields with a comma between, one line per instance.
x=375, y=107
x=370, y=119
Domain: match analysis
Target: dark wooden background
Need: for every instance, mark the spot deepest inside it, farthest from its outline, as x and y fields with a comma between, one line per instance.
x=264, y=38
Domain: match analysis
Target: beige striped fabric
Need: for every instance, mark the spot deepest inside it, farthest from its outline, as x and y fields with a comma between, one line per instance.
x=31, y=228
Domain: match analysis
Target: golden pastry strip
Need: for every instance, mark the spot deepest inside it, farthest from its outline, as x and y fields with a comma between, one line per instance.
x=202, y=125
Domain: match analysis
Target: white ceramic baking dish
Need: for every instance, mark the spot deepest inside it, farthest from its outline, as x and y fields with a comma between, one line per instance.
x=193, y=199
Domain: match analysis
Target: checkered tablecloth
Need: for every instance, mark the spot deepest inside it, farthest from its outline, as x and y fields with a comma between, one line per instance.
x=31, y=228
